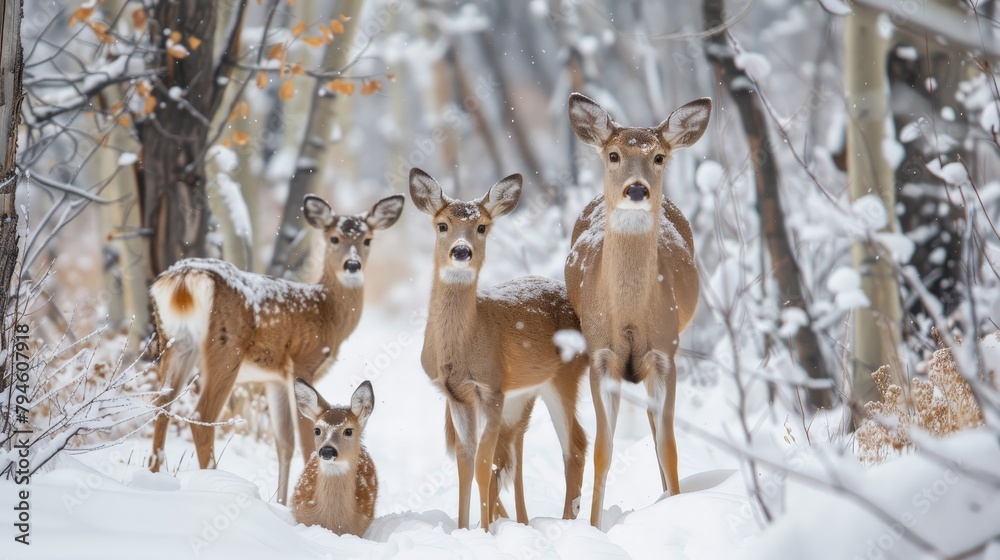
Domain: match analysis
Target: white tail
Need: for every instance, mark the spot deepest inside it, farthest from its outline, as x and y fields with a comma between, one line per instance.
x=631, y=275
x=493, y=354
x=339, y=487
x=237, y=326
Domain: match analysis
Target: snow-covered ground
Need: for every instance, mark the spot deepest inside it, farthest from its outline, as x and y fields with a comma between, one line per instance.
x=107, y=496
x=105, y=504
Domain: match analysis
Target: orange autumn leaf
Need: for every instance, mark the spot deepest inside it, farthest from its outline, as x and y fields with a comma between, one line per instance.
x=287, y=90
x=297, y=70
x=341, y=86
x=345, y=18
x=100, y=29
x=390, y=77
x=327, y=32
x=244, y=108
x=142, y=88
x=299, y=29
x=175, y=37
x=139, y=18
x=227, y=143
x=275, y=51
x=261, y=80
x=124, y=120
x=194, y=43
x=336, y=26
x=150, y=104
x=81, y=14
x=232, y=114
x=240, y=138
x=315, y=41
x=370, y=87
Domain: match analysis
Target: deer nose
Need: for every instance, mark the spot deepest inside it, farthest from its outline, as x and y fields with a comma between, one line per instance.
x=461, y=253
x=352, y=266
x=327, y=453
x=637, y=192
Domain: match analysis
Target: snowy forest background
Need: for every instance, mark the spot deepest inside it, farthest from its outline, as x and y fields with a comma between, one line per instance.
x=844, y=203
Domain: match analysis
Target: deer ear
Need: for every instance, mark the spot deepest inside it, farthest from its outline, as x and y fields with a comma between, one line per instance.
x=591, y=123
x=362, y=402
x=317, y=212
x=425, y=192
x=309, y=402
x=385, y=212
x=503, y=196
x=686, y=124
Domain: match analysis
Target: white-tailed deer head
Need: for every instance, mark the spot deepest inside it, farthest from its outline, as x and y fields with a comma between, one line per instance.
x=462, y=227
x=634, y=157
x=348, y=238
x=337, y=431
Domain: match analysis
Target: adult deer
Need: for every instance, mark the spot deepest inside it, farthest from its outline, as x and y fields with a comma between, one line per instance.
x=239, y=327
x=492, y=353
x=631, y=275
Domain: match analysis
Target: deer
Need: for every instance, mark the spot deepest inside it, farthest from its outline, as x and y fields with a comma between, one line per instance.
x=339, y=486
x=492, y=353
x=241, y=327
x=631, y=276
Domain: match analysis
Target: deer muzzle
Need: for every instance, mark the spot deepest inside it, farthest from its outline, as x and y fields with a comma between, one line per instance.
x=327, y=453
x=461, y=254
x=636, y=192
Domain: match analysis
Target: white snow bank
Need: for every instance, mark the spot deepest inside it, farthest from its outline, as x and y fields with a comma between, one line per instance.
x=78, y=512
x=954, y=510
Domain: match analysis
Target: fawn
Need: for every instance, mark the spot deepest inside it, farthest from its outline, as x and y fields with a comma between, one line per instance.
x=492, y=353
x=338, y=487
x=631, y=275
x=237, y=326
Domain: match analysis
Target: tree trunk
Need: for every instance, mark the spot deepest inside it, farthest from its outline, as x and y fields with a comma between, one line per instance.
x=321, y=118
x=877, y=328
x=172, y=197
x=11, y=94
x=767, y=178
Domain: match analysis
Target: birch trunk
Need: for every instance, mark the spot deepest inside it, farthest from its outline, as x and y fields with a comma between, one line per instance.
x=876, y=328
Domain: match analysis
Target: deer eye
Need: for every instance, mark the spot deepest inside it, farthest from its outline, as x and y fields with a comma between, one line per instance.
x=317, y=432
x=481, y=229
x=613, y=157
x=368, y=242
x=442, y=227
x=349, y=432
x=658, y=160
x=334, y=240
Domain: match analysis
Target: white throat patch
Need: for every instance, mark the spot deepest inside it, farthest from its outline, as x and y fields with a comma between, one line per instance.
x=625, y=220
x=336, y=467
x=351, y=279
x=458, y=276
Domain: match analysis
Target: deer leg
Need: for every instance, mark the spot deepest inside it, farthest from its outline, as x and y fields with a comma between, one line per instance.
x=279, y=407
x=522, y=426
x=572, y=441
x=484, y=457
x=463, y=422
x=656, y=442
x=176, y=368
x=606, y=410
x=664, y=390
x=221, y=367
